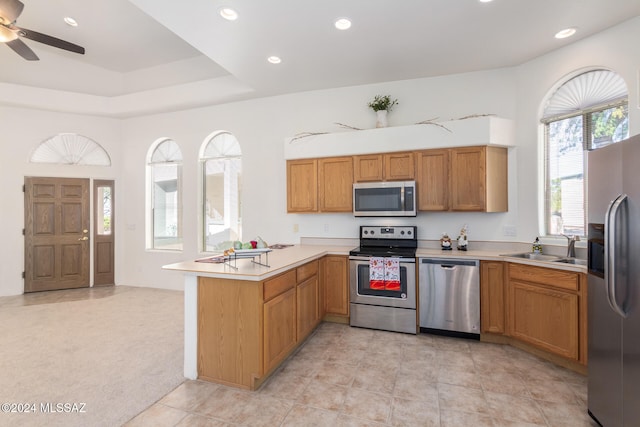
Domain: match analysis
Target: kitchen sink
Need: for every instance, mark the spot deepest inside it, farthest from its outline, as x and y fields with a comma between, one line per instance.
x=534, y=256
x=575, y=261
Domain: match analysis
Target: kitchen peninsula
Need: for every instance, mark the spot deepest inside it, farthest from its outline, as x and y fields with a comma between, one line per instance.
x=242, y=322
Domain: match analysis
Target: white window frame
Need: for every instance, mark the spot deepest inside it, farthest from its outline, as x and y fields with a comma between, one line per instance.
x=227, y=151
x=618, y=96
x=156, y=158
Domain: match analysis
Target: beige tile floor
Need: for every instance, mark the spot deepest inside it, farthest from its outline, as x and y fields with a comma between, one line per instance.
x=345, y=376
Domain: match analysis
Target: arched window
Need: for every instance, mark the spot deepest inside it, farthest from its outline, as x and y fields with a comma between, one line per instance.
x=587, y=112
x=221, y=160
x=70, y=149
x=164, y=168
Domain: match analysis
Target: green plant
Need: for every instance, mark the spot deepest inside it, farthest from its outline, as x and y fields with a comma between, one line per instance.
x=382, y=103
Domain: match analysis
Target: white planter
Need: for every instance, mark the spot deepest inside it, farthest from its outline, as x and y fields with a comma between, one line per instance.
x=381, y=119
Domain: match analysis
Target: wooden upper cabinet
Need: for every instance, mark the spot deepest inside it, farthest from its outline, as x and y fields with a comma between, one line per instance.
x=399, y=167
x=302, y=185
x=368, y=168
x=335, y=178
x=384, y=167
x=432, y=180
x=479, y=179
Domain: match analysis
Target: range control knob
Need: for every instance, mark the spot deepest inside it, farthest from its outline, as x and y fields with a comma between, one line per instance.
x=409, y=232
x=402, y=232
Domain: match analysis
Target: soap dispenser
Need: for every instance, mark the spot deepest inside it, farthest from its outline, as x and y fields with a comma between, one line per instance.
x=537, y=246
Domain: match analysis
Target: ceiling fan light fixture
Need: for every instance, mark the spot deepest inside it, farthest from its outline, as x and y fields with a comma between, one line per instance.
x=567, y=32
x=6, y=35
x=70, y=21
x=228, y=14
x=343, y=24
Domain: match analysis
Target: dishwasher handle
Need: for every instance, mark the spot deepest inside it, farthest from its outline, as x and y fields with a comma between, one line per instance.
x=449, y=263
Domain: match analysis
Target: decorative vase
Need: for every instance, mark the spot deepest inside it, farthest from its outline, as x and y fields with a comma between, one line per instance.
x=381, y=119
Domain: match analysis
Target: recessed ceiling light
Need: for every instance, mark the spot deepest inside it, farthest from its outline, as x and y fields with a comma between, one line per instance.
x=274, y=59
x=485, y=1
x=228, y=14
x=343, y=24
x=567, y=32
x=70, y=21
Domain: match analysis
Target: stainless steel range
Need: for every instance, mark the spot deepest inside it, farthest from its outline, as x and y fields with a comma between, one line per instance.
x=382, y=279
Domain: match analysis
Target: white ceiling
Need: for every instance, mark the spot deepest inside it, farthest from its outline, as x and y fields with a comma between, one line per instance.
x=136, y=45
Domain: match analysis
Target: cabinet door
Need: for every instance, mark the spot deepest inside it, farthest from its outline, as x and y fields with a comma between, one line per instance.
x=468, y=174
x=279, y=328
x=336, y=285
x=399, y=167
x=302, y=185
x=492, y=295
x=368, y=168
x=433, y=180
x=544, y=317
x=335, y=179
x=307, y=307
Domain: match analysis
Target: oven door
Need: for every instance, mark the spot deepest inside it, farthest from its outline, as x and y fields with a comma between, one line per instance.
x=365, y=291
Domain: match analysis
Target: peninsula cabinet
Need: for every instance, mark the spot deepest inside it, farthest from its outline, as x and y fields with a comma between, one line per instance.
x=247, y=328
x=384, y=167
x=479, y=179
x=547, y=309
x=492, y=290
x=280, y=312
x=308, y=299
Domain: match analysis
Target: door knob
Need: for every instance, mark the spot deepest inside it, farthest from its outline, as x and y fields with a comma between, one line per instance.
x=84, y=238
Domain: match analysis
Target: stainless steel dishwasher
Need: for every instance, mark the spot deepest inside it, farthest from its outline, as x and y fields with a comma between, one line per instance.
x=450, y=296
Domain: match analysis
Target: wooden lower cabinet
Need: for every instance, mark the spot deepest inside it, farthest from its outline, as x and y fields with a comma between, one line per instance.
x=247, y=328
x=279, y=328
x=492, y=289
x=540, y=309
x=335, y=278
x=307, y=308
x=547, y=309
x=545, y=317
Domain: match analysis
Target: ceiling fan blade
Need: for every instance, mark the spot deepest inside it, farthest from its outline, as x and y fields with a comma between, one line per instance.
x=10, y=10
x=49, y=40
x=22, y=49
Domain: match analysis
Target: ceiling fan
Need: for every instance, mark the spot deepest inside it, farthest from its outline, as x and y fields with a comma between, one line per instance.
x=10, y=33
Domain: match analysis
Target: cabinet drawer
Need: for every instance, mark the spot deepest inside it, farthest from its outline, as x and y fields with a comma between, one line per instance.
x=306, y=271
x=278, y=285
x=546, y=276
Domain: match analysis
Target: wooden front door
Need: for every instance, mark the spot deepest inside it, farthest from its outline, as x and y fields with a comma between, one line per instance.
x=56, y=233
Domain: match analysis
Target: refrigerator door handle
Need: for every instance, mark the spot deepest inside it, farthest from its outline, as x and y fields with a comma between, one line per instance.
x=610, y=253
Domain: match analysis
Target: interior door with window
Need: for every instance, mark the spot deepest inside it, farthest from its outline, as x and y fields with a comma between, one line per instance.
x=56, y=233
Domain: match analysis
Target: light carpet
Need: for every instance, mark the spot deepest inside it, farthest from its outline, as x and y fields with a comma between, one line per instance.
x=112, y=357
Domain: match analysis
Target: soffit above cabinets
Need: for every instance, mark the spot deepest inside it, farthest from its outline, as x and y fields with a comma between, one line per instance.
x=486, y=130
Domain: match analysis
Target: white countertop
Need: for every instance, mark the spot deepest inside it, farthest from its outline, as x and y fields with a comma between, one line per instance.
x=281, y=260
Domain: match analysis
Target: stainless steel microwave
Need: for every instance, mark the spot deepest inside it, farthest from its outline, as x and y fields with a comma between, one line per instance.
x=388, y=198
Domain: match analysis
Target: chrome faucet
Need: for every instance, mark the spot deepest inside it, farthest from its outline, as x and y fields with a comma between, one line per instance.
x=571, y=247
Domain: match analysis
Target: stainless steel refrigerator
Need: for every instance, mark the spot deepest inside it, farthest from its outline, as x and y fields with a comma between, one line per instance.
x=613, y=186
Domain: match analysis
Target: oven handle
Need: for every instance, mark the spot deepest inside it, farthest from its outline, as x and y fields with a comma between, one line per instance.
x=367, y=258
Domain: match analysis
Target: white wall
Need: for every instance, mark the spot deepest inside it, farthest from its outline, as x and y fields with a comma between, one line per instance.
x=22, y=132
x=261, y=126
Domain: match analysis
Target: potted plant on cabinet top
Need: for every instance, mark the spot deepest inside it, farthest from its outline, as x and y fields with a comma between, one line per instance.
x=381, y=105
